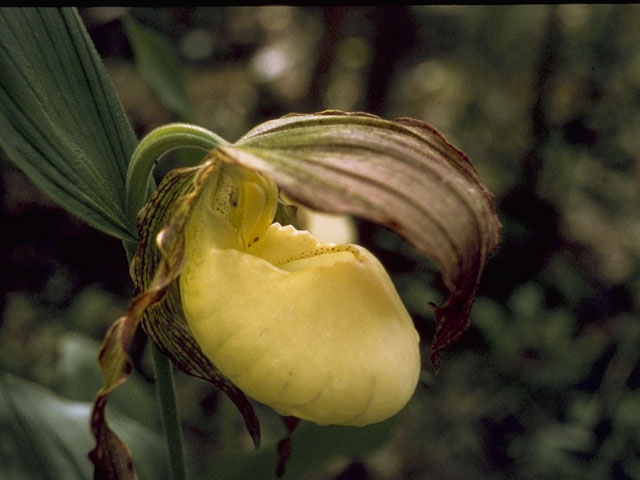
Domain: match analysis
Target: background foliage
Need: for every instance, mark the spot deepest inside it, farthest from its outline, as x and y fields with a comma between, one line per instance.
x=544, y=100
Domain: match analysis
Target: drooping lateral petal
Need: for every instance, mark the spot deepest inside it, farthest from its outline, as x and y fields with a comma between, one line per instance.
x=155, y=267
x=402, y=174
x=111, y=457
x=152, y=273
x=157, y=264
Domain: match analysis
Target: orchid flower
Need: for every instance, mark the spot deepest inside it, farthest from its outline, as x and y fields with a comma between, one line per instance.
x=226, y=286
x=313, y=330
x=236, y=295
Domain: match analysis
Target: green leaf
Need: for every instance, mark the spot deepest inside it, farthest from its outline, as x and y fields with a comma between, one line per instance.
x=60, y=119
x=312, y=447
x=159, y=64
x=401, y=174
x=78, y=378
x=44, y=436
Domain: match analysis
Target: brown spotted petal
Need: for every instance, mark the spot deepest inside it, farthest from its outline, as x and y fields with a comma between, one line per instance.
x=155, y=267
x=402, y=174
x=157, y=264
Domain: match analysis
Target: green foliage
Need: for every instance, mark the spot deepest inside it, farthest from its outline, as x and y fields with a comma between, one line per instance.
x=159, y=64
x=313, y=446
x=45, y=436
x=77, y=152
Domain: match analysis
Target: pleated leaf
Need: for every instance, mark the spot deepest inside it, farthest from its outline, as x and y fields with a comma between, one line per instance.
x=60, y=119
x=401, y=174
x=45, y=436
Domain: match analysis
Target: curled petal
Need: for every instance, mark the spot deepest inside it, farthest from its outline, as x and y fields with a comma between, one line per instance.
x=402, y=174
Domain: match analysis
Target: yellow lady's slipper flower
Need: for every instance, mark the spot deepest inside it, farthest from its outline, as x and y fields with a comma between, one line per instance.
x=314, y=330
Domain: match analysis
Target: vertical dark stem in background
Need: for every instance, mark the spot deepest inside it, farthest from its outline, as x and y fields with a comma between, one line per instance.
x=333, y=20
x=531, y=223
x=4, y=250
x=542, y=90
x=393, y=39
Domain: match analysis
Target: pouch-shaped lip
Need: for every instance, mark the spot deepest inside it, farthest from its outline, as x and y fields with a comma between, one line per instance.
x=314, y=330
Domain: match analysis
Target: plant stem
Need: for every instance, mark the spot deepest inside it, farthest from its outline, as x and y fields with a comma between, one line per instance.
x=170, y=416
x=154, y=145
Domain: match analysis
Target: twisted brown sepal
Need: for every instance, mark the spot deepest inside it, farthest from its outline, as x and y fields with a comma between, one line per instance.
x=111, y=457
x=402, y=174
x=155, y=267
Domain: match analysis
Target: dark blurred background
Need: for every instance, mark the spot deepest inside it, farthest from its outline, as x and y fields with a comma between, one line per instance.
x=545, y=100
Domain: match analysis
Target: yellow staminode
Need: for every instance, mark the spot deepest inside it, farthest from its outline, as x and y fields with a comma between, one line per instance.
x=313, y=330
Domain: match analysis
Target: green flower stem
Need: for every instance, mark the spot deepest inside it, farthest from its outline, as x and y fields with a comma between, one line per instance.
x=170, y=416
x=154, y=145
